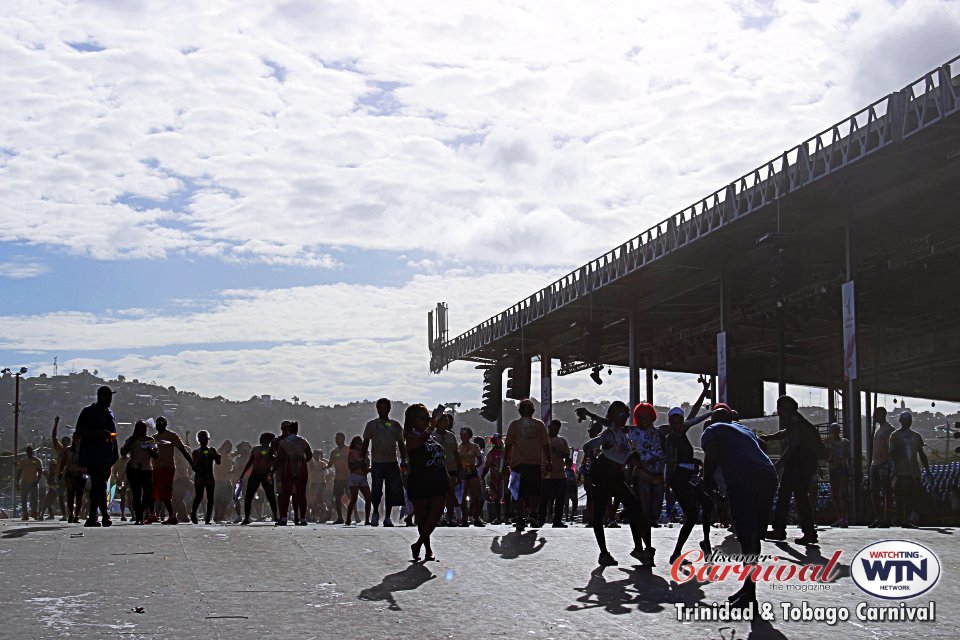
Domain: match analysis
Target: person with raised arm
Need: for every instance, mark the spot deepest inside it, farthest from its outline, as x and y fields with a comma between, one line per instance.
x=427, y=480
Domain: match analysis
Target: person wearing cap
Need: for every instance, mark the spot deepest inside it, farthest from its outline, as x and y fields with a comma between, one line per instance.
x=906, y=445
x=732, y=455
x=881, y=493
x=165, y=469
x=681, y=472
x=802, y=448
x=97, y=429
x=838, y=451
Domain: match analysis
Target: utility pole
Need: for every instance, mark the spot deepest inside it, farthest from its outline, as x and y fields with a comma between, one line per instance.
x=16, y=430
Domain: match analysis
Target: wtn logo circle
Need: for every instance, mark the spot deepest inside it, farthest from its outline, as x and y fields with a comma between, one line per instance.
x=895, y=569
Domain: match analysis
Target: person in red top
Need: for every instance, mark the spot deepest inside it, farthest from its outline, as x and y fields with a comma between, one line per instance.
x=293, y=454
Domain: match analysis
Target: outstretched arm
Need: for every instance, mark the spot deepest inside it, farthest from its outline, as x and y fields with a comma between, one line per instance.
x=57, y=447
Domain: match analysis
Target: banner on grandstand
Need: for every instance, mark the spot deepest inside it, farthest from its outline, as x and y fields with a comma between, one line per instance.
x=722, y=366
x=849, y=332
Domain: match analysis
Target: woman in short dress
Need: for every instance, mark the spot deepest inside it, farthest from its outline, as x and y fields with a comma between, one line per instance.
x=357, y=480
x=427, y=482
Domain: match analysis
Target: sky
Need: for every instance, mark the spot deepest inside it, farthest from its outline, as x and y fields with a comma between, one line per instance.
x=243, y=198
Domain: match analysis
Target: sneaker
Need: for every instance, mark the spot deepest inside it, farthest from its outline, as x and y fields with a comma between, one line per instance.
x=301, y=523
x=106, y=522
x=387, y=522
x=91, y=523
x=123, y=518
x=193, y=518
x=706, y=548
x=806, y=539
x=375, y=520
x=607, y=560
x=478, y=522
x=282, y=522
x=245, y=521
x=338, y=521
x=775, y=535
x=559, y=525
x=171, y=520
x=408, y=521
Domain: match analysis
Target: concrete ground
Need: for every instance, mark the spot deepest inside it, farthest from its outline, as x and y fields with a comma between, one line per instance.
x=323, y=581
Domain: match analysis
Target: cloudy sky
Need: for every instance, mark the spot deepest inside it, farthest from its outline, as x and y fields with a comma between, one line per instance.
x=267, y=197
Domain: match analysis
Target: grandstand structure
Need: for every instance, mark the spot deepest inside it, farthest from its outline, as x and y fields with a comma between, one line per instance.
x=748, y=283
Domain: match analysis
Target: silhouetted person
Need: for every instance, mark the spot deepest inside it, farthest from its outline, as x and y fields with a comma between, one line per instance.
x=387, y=438
x=906, y=446
x=801, y=442
x=881, y=492
x=528, y=454
x=165, y=469
x=749, y=481
x=97, y=428
x=29, y=470
x=293, y=455
x=142, y=450
x=204, y=458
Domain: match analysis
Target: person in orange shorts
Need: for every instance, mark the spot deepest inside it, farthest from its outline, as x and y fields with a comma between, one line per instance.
x=164, y=468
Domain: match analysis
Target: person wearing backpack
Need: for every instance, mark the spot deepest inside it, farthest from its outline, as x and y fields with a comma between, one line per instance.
x=802, y=447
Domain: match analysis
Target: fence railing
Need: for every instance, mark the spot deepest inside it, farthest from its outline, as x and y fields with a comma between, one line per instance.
x=896, y=117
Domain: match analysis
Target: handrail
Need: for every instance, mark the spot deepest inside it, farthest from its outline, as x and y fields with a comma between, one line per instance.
x=920, y=104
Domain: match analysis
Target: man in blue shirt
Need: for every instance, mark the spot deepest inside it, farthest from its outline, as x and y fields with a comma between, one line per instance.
x=97, y=428
x=750, y=480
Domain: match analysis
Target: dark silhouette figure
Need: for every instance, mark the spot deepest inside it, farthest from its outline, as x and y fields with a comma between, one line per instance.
x=407, y=580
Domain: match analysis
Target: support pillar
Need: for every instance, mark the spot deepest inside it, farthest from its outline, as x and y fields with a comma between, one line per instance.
x=634, y=359
x=546, y=386
x=649, y=382
x=851, y=402
x=831, y=405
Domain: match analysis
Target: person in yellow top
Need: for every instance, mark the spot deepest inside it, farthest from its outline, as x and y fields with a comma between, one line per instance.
x=471, y=459
x=29, y=470
x=527, y=453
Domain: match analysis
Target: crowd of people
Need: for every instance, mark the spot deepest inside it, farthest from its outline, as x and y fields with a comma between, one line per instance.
x=526, y=477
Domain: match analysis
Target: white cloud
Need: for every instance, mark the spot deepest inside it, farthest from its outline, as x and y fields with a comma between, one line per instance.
x=375, y=125
x=20, y=269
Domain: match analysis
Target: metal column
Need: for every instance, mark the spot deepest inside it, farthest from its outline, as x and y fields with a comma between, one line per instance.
x=649, y=382
x=546, y=386
x=634, y=360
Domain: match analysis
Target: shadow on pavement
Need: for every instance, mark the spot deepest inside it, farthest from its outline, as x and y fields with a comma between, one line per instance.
x=19, y=533
x=407, y=580
x=640, y=589
x=812, y=555
x=763, y=630
x=514, y=544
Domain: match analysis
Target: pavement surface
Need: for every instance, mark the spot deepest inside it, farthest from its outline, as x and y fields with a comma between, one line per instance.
x=323, y=581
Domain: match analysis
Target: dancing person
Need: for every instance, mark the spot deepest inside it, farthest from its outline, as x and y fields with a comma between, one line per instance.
x=142, y=450
x=471, y=458
x=338, y=460
x=527, y=453
x=204, y=482
x=802, y=447
x=357, y=481
x=584, y=471
x=293, y=456
x=650, y=461
x=555, y=482
x=427, y=480
x=97, y=428
x=881, y=492
x=838, y=460
x=223, y=474
x=906, y=445
x=387, y=438
x=609, y=452
x=749, y=481
x=165, y=468
x=261, y=466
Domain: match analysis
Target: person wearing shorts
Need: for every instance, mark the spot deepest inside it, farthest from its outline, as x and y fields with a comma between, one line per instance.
x=357, y=483
x=164, y=467
x=528, y=454
x=341, y=472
